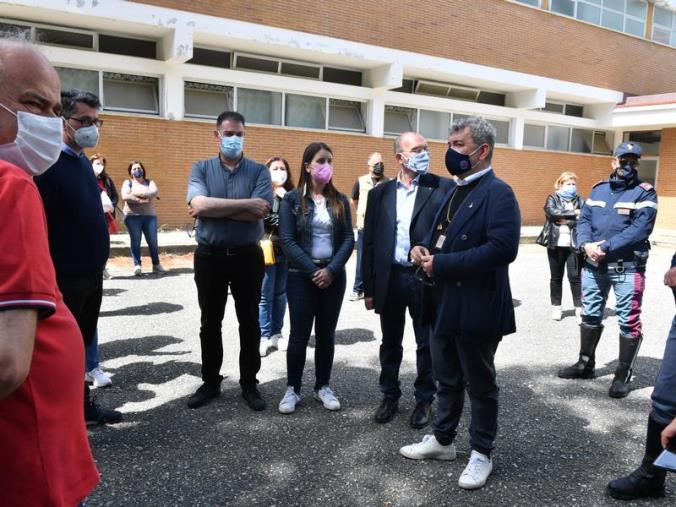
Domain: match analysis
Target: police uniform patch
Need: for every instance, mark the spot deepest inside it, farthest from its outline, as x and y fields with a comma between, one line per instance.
x=646, y=186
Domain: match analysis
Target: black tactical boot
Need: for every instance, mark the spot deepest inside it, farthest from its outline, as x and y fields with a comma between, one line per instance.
x=584, y=368
x=646, y=481
x=629, y=346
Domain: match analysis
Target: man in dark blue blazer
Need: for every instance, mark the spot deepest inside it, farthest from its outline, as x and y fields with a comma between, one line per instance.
x=399, y=214
x=466, y=255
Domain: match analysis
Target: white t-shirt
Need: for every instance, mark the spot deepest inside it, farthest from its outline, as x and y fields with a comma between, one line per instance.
x=564, y=230
x=322, y=230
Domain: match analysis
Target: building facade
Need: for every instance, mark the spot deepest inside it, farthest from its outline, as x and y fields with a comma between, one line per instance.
x=563, y=81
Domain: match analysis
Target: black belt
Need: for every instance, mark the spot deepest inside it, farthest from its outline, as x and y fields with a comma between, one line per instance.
x=229, y=250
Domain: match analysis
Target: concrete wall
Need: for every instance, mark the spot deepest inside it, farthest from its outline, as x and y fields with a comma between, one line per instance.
x=496, y=33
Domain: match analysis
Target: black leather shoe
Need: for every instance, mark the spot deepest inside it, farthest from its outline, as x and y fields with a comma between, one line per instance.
x=386, y=411
x=253, y=399
x=95, y=414
x=204, y=394
x=421, y=416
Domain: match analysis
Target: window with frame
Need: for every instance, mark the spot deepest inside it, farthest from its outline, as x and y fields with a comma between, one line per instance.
x=399, y=120
x=86, y=80
x=664, y=26
x=346, y=115
x=130, y=93
x=628, y=16
x=203, y=100
x=562, y=138
x=562, y=108
x=534, y=3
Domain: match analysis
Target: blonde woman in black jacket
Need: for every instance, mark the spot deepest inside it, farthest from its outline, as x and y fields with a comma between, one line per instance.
x=562, y=210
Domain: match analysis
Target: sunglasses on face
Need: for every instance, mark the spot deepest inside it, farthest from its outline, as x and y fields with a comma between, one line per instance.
x=629, y=161
x=323, y=160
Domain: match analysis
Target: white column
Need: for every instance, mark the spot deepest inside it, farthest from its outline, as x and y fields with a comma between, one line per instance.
x=173, y=93
x=516, y=133
x=375, y=122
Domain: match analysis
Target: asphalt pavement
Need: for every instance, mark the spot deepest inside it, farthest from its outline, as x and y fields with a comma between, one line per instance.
x=559, y=441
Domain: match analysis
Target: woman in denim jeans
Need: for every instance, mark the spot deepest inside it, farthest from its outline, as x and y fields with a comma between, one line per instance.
x=317, y=239
x=139, y=194
x=272, y=307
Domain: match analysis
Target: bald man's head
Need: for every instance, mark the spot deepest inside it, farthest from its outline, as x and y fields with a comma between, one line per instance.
x=28, y=82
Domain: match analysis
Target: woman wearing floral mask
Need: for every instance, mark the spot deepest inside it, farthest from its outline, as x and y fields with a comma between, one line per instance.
x=562, y=210
x=272, y=307
x=140, y=217
x=316, y=230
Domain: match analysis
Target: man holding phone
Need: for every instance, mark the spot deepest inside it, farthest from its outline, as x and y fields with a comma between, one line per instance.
x=647, y=481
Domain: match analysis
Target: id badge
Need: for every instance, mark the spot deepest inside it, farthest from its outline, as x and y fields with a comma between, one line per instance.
x=440, y=241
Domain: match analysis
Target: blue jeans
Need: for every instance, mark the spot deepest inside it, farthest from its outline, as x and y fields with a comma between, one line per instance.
x=358, y=284
x=309, y=304
x=272, y=307
x=92, y=353
x=664, y=395
x=146, y=224
x=628, y=288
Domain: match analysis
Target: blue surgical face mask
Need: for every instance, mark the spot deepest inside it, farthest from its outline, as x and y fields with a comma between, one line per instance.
x=231, y=146
x=419, y=162
x=568, y=192
x=137, y=173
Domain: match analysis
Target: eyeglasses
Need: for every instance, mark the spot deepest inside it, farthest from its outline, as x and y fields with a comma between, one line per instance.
x=324, y=160
x=86, y=121
x=230, y=133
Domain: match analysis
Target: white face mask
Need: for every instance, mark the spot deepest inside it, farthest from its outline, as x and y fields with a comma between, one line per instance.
x=38, y=142
x=278, y=177
x=98, y=168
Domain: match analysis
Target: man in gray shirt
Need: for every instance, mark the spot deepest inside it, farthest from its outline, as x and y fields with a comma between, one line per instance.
x=229, y=195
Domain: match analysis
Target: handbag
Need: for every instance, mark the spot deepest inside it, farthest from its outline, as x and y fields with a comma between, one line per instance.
x=268, y=251
x=543, y=238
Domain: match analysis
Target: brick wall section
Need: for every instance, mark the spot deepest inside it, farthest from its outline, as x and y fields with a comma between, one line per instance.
x=496, y=33
x=666, y=180
x=169, y=148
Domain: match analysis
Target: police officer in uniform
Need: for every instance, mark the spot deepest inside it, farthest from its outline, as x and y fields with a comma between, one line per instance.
x=612, y=232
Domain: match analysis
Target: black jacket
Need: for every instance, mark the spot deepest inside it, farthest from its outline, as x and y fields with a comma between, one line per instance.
x=556, y=210
x=380, y=230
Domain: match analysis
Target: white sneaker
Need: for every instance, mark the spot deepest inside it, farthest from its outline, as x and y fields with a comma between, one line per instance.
x=557, y=313
x=476, y=472
x=578, y=315
x=289, y=402
x=429, y=448
x=277, y=341
x=264, y=346
x=98, y=378
x=137, y=270
x=157, y=268
x=326, y=396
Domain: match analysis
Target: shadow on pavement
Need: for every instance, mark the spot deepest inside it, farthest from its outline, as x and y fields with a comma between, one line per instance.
x=113, y=292
x=550, y=450
x=148, y=309
x=142, y=346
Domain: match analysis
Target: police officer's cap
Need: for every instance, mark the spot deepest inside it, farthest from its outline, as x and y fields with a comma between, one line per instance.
x=628, y=149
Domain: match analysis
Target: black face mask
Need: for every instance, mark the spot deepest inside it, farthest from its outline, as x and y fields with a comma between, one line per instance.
x=378, y=169
x=626, y=172
x=458, y=163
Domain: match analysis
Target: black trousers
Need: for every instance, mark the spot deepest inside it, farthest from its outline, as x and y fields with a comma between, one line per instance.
x=82, y=295
x=560, y=258
x=215, y=271
x=461, y=364
x=404, y=293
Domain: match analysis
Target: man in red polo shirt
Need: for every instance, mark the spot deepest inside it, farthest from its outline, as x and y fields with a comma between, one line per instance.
x=45, y=455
